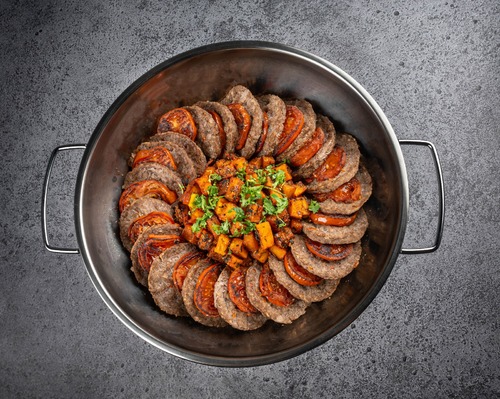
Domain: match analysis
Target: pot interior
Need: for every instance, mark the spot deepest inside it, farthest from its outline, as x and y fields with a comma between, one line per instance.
x=206, y=74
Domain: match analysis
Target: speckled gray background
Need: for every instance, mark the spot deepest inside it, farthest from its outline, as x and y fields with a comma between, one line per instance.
x=434, y=69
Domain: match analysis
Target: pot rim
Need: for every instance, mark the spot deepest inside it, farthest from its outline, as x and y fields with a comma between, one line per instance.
x=249, y=360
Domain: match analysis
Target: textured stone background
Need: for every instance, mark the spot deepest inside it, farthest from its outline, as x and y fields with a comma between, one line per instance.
x=433, y=67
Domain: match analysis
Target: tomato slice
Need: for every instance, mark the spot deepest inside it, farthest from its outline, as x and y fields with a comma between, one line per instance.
x=153, y=246
x=331, y=167
x=236, y=288
x=263, y=134
x=151, y=219
x=310, y=149
x=182, y=267
x=294, y=121
x=156, y=154
x=273, y=291
x=347, y=193
x=220, y=125
x=298, y=273
x=204, y=290
x=146, y=188
x=330, y=252
x=333, y=220
x=178, y=120
x=243, y=122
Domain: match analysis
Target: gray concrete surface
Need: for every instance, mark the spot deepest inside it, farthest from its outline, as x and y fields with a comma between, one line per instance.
x=433, y=67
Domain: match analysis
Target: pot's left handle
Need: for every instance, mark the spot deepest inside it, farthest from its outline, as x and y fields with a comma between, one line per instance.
x=44, y=199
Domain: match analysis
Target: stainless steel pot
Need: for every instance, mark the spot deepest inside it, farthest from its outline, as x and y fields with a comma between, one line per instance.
x=206, y=73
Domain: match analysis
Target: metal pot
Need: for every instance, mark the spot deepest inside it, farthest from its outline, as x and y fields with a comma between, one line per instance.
x=206, y=73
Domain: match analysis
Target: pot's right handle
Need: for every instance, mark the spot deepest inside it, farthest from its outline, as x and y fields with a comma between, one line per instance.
x=441, y=199
x=44, y=199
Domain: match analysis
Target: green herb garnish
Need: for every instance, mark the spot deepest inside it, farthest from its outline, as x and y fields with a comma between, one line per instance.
x=224, y=228
x=314, y=206
x=240, y=214
x=201, y=222
x=214, y=177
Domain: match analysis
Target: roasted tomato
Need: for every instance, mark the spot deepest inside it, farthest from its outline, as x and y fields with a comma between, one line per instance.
x=331, y=167
x=263, y=134
x=347, y=193
x=293, y=126
x=151, y=219
x=178, y=120
x=204, y=290
x=236, y=288
x=182, y=267
x=243, y=121
x=156, y=154
x=309, y=149
x=298, y=273
x=273, y=291
x=333, y=220
x=153, y=246
x=220, y=125
x=330, y=252
x=146, y=188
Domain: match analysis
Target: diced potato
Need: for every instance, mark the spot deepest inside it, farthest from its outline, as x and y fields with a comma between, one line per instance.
x=197, y=213
x=240, y=163
x=285, y=168
x=233, y=189
x=191, y=189
x=188, y=235
x=289, y=190
x=203, y=183
x=250, y=242
x=261, y=255
x=224, y=210
x=278, y=252
x=296, y=226
x=254, y=213
x=274, y=195
x=269, y=182
x=226, y=169
x=298, y=208
x=206, y=240
x=256, y=162
x=192, y=198
x=236, y=247
x=251, y=175
x=222, y=244
x=236, y=227
x=300, y=188
x=266, y=161
x=213, y=221
x=265, y=234
x=234, y=262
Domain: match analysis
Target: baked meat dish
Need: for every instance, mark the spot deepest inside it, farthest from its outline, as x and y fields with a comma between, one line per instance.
x=244, y=210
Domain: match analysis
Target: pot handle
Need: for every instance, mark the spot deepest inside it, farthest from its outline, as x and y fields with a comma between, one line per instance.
x=439, y=235
x=52, y=158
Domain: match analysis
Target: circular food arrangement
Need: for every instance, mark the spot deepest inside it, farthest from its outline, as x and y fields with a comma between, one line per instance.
x=244, y=210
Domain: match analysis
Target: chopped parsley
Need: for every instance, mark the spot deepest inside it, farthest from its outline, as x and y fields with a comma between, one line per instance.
x=224, y=228
x=314, y=206
x=262, y=188
x=250, y=194
x=277, y=176
x=214, y=177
